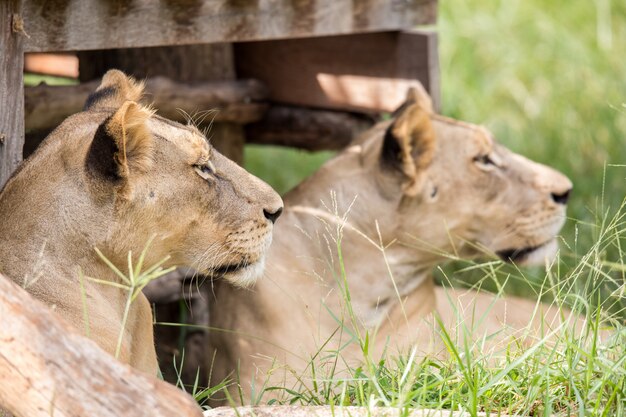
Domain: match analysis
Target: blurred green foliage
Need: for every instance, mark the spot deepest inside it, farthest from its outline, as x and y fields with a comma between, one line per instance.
x=283, y=168
x=548, y=78
x=36, y=79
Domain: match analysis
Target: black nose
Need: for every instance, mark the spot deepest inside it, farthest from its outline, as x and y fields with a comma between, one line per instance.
x=561, y=198
x=272, y=216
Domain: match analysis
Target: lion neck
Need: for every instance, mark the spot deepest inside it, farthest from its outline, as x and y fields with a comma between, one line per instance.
x=53, y=227
x=356, y=234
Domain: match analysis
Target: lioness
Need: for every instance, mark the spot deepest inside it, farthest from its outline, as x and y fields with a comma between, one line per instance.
x=426, y=187
x=114, y=177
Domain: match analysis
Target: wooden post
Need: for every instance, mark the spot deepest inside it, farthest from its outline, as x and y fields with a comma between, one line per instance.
x=48, y=369
x=11, y=87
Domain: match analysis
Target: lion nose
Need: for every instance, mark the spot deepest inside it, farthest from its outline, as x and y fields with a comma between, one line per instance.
x=561, y=198
x=272, y=215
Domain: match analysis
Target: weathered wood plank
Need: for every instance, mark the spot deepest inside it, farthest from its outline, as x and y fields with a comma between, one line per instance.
x=306, y=128
x=47, y=368
x=11, y=88
x=231, y=101
x=369, y=72
x=65, y=25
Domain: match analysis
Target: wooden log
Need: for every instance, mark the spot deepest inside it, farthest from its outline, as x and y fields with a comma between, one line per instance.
x=11, y=88
x=357, y=72
x=233, y=101
x=306, y=128
x=335, y=411
x=69, y=25
x=47, y=368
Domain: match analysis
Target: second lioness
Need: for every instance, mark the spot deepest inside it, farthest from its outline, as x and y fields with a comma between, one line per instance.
x=115, y=177
x=427, y=188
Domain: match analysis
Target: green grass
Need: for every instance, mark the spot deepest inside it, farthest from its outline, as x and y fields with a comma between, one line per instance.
x=283, y=168
x=35, y=79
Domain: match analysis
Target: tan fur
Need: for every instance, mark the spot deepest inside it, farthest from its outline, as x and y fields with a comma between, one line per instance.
x=135, y=144
x=430, y=196
x=417, y=137
x=112, y=178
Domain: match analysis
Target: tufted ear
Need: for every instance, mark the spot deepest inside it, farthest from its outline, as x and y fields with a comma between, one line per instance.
x=114, y=90
x=415, y=95
x=123, y=144
x=409, y=144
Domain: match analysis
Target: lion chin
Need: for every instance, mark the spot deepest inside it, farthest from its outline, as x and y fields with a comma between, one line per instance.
x=528, y=256
x=242, y=275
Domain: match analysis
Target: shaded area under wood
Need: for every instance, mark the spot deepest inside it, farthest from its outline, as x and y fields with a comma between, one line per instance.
x=304, y=128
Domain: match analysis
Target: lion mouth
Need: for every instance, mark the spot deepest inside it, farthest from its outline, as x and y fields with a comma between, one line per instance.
x=521, y=255
x=230, y=269
x=242, y=274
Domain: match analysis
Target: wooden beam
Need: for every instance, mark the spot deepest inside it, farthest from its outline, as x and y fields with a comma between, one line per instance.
x=306, y=128
x=69, y=25
x=232, y=101
x=11, y=88
x=370, y=72
x=49, y=369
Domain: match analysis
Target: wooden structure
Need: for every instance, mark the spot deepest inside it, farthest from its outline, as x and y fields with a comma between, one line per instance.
x=356, y=55
x=305, y=73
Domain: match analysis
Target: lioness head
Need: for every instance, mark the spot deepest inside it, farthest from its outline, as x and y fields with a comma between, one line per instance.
x=128, y=175
x=455, y=190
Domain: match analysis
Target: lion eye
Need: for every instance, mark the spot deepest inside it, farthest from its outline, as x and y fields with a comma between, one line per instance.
x=206, y=171
x=484, y=159
x=487, y=162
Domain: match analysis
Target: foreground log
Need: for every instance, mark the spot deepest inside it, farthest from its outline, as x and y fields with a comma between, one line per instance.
x=306, y=128
x=334, y=411
x=227, y=101
x=47, y=368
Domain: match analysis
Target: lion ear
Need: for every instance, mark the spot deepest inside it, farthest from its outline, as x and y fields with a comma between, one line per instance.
x=123, y=144
x=408, y=146
x=115, y=88
x=416, y=94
